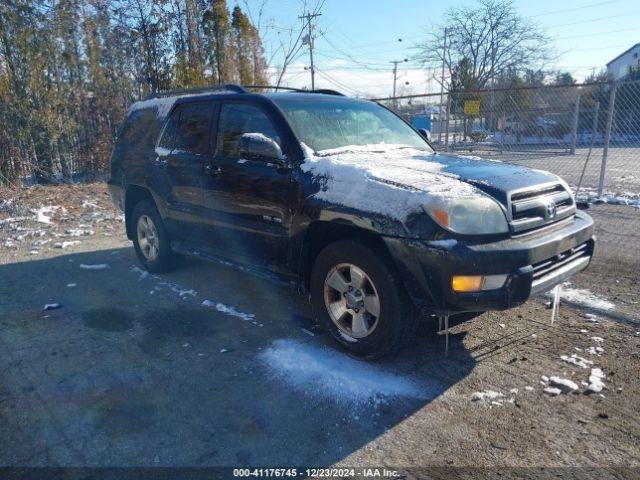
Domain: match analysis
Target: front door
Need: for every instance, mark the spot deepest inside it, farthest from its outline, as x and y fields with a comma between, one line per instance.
x=247, y=199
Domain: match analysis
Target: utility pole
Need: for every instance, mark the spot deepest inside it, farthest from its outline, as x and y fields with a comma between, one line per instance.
x=309, y=41
x=444, y=56
x=395, y=79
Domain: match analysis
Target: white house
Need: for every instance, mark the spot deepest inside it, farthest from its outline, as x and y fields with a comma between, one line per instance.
x=620, y=66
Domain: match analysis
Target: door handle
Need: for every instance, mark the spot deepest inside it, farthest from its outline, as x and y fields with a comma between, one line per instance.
x=210, y=169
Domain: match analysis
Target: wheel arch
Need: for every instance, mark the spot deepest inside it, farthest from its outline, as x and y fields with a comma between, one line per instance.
x=133, y=195
x=320, y=234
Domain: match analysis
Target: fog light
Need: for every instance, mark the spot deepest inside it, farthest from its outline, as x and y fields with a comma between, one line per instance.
x=476, y=283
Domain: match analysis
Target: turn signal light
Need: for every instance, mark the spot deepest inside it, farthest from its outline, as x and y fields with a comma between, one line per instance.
x=466, y=283
x=477, y=283
x=441, y=217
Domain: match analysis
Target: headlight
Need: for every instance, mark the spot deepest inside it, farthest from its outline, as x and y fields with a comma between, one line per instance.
x=468, y=216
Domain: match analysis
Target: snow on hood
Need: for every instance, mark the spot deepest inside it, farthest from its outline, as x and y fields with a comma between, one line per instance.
x=390, y=179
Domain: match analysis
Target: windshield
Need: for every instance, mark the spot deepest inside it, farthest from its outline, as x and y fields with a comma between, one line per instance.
x=322, y=124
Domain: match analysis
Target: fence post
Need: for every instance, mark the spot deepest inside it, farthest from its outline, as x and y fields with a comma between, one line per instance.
x=574, y=127
x=594, y=131
x=446, y=127
x=607, y=139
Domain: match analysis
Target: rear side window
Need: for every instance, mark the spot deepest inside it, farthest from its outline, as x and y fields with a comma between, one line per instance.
x=236, y=119
x=188, y=128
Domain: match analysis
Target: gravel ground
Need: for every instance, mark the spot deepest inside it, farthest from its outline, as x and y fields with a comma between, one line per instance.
x=131, y=369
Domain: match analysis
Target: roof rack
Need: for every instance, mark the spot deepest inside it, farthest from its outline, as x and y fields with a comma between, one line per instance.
x=265, y=87
x=327, y=91
x=232, y=87
x=212, y=88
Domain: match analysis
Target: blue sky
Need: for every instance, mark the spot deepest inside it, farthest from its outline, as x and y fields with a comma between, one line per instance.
x=359, y=37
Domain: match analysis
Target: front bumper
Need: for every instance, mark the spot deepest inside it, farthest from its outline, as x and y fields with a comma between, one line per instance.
x=535, y=262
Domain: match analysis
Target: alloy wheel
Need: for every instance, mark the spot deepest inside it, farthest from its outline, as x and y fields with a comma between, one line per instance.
x=148, y=238
x=351, y=300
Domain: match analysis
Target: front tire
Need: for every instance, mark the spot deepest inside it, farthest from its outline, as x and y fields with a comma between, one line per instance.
x=150, y=238
x=358, y=298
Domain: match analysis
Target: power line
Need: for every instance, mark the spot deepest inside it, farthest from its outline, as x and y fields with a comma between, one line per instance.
x=573, y=9
x=338, y=83
x=596, y=34
x=597, y=19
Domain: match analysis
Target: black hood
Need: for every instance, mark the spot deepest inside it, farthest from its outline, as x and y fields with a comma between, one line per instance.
x=493, y=177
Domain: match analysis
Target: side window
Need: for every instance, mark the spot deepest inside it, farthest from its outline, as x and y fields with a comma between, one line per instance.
x=237, y=119
x=190, y=124
x=169, y=133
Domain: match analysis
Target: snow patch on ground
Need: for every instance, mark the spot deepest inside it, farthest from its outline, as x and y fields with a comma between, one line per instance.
x=583, y=297
x=97, y=266
x=78, y=232
x=486, y=395
x=51, y=306
x=577, y=360
x=595, y=351
x=10, y=220
x=143, y=273
x=88, y=204
x=564, y=384
x=553, y=391
x=590, y=195
x=64, y=245
x=227, y=310
x=43, y=214
x=595, y=380
x=377, y=178
x=317, y=371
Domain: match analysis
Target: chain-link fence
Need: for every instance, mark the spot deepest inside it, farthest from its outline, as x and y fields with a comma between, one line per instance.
x=588, y=134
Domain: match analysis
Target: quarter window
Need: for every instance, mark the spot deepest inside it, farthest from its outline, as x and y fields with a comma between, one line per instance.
x=238, y=119
x=169, y=133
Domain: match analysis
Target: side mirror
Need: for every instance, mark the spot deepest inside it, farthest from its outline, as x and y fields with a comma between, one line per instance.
x=424, y=132
x=256, y=146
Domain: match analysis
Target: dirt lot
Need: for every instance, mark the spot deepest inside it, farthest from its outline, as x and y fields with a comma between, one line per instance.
x=134, y=370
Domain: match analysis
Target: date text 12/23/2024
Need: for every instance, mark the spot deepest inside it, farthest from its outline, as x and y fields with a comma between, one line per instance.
x=315, y=473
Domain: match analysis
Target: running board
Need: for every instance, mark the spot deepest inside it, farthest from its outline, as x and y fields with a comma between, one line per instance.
x=209, y=256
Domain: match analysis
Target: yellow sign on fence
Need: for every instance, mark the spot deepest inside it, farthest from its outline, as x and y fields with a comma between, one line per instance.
x=472, y=107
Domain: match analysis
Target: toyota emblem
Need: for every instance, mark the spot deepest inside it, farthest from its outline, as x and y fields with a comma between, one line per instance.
x=551, y=210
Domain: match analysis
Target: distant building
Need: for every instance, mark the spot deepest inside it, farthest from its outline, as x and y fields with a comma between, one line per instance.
x=623, y=63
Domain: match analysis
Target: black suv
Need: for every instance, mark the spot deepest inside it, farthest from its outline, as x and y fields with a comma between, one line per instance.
x=347, y=201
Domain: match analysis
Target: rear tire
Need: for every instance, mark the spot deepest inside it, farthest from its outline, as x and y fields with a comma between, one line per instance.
x=150, y=238
x=351, y=283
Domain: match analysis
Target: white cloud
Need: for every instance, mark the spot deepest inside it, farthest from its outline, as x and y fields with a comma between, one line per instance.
x=336, y=74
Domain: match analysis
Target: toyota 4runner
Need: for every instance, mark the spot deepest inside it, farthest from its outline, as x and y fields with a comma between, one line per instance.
x=345, y=200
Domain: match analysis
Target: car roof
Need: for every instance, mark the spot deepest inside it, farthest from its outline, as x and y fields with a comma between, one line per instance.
x=163, y=102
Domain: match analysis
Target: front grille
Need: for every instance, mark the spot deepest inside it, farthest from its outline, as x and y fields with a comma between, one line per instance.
x=558, y=268
x=535, y=208
x=554, y=263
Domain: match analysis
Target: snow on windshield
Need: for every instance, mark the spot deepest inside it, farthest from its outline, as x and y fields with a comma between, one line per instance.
x=376, y=178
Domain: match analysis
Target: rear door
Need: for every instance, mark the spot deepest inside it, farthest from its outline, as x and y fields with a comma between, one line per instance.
x=247, y=199
x=181, y=158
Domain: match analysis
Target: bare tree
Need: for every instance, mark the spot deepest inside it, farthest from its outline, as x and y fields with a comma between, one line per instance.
x=492, y=39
